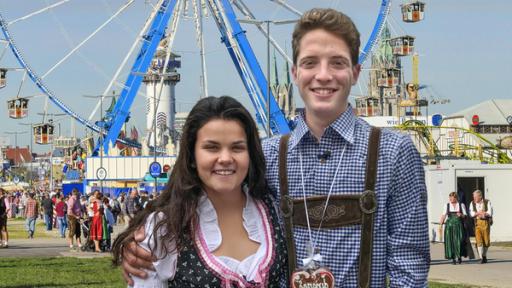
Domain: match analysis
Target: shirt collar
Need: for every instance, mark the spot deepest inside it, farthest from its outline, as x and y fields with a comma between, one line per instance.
x=344, y=125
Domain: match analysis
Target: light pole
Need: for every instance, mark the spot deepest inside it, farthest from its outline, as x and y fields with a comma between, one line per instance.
x=15, y=133
x=101, y=97
x=31, y=140
x=156, y=77
x=267, y=24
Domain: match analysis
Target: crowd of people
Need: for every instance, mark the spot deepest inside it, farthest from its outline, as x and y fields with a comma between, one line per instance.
x=90, y=217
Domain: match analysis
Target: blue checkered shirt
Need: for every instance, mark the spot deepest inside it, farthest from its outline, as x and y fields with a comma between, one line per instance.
x=400, y=239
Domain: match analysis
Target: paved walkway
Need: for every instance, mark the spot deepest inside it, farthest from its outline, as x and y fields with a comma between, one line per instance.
x=496, y=273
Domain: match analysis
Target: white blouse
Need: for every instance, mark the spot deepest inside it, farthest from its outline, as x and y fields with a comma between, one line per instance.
x=165, y=266
x=456, y=208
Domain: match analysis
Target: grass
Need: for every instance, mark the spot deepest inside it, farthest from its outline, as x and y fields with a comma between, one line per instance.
x=16, y=228
x=59, y=272
x=75, y=272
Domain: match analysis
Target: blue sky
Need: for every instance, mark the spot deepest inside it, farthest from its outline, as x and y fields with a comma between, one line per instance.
x=464, y=49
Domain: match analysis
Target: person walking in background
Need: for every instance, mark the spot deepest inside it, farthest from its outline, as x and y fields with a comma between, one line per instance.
x=47, y=206
x=21, y=204
x=60, y=209
x=481, y=210
x=31, y=213
x=454, y=240
x=108, y=224
x=74, y=215
x=132, y=205
x=115, y=208
x=96, y=227
x=4, y=234
x=122, y=213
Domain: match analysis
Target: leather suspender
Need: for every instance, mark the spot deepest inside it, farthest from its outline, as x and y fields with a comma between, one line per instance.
x=286, y=205
x=352, y=208
x=368, y=206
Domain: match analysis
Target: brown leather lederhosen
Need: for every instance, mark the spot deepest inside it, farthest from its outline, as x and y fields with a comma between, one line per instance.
x=343, y=210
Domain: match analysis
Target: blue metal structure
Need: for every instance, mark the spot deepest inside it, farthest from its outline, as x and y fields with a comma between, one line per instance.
x=385, y=7
x=118, y=116
x=239, y=49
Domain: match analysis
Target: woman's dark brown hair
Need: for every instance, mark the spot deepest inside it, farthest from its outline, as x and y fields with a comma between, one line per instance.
x=178, y=202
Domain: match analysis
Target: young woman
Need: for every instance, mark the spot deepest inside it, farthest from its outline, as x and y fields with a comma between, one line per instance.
x=215, y=224
x=454, y=239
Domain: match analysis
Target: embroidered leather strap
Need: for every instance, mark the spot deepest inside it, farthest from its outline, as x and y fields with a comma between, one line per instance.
x=343, y=210
x=286, y=207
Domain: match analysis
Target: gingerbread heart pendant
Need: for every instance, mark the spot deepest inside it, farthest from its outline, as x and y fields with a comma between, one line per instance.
x=318, y=278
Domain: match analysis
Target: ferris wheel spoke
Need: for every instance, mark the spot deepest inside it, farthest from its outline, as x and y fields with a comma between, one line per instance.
x=21, y=84
x=122, y=9
x=138, y=39
x=4, y=50
x=288, y=7
x=38, y=12
x=240, y=5
x=199, y=13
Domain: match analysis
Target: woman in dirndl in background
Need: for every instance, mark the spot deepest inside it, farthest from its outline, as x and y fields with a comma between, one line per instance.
x=454, y=234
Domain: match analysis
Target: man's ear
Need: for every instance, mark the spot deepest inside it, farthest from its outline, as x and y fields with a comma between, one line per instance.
x=294, y=74
x=356, y=70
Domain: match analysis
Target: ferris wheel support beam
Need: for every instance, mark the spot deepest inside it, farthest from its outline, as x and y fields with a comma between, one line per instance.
x=118, y=116
x=242, y=7
x=236, y=56
x=278, y=122
x=125, y=60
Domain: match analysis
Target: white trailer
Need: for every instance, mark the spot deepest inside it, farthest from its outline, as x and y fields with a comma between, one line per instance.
x=465, y=176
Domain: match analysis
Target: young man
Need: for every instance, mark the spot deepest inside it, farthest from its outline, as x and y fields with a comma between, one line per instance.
x=31, y=213
x=74, y=216
x=47, y=205
x=327, y=160
x=481, y=210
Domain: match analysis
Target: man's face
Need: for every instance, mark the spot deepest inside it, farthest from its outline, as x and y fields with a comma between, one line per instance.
x=324, y=73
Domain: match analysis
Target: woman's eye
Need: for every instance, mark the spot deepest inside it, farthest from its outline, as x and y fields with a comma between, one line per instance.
x=239, y=148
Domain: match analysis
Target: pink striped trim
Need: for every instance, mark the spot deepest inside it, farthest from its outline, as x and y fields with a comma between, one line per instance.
x=222, y=271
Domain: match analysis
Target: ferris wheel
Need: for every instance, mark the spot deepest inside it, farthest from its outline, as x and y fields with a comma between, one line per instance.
x=69, y=48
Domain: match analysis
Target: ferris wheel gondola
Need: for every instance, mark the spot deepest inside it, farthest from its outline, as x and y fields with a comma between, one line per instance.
x=18, y=107
x=413, y=12
x=3, y=77
x=43, y=133
x=403, y=45
x=388, y=77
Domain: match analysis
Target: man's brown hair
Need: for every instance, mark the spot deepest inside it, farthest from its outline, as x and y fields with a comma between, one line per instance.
x=332, y=21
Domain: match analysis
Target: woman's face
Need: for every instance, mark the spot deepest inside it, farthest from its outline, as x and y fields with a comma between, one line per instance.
x=222, y=156
x=452, y=199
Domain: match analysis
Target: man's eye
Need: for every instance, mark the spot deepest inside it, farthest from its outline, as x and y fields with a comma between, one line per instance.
x=308, y=63
x=339, y=64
